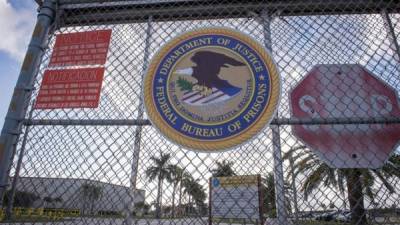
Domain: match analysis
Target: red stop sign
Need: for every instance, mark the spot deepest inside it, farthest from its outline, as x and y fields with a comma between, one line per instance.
x=346, y=91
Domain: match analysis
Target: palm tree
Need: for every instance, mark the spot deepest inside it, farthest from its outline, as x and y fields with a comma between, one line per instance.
x=199, y=196
x=184, y=182
x=160, y=171
x=91, y=193
x=269, y=197
x=195, y=192
x=357, y=182
x=141, y=208
x=21, y=198
x=49, y=200
x=187, y=188
x=176, y=174
x=224, y=169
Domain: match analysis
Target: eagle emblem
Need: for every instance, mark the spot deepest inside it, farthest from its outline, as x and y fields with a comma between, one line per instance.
x=209, y=87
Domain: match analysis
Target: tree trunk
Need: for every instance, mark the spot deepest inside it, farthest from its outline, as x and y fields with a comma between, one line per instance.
x=180, y=198
x=83, y=206
x=91, y=203
x=161, y=199
x=91, y=207
x=158, y=201
x=173, y=199
x=356, y=197
x=190, y=204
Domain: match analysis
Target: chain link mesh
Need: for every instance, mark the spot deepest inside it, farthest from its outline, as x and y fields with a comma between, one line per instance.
x=89, y=168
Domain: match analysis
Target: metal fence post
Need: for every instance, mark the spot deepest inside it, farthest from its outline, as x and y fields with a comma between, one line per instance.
x=391, y=35
x=138, y=131
x=293, y=185
x=20, y=99
x=276, y=142
x=278, y=172
x=17, y=170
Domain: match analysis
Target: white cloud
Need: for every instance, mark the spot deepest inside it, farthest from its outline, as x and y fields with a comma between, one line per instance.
x=16, y=28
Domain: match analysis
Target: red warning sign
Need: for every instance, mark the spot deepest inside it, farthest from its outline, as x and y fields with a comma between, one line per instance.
x=82, y=48
x=70, y=88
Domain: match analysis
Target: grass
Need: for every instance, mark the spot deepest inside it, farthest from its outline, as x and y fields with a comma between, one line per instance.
x=22, y=219
x=314, y=222
x=101, y=216
x=233, y=221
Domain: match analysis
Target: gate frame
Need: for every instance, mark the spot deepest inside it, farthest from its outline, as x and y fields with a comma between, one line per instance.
x=70, y=13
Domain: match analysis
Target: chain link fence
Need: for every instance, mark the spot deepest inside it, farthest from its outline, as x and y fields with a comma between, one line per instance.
x=96, y=166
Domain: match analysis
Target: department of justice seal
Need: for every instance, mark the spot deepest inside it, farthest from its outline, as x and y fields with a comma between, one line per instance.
x=211, y=89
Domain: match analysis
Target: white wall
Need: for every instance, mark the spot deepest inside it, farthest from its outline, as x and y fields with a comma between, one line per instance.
x=113, y=198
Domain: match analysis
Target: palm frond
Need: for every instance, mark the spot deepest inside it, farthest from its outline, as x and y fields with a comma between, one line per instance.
x=368, y=181
x=292, y=151
x=152, y=173
x=341, y=179
x=313, y=180
x=392, y=166
x=330, y=176
x=305, y=164
x=384, y=181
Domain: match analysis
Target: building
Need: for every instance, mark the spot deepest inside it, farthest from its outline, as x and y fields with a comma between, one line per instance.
x=82, y=194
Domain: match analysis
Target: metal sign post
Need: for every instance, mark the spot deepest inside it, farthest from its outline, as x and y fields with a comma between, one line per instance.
x=22, y=92
x=276, y=143
x=293, y=184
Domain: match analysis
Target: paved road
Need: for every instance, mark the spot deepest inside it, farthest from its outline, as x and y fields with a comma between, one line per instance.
x=102, y=221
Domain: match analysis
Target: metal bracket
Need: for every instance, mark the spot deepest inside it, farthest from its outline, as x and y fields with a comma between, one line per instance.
x=56, y=23
x=14, y=132
x=39, y=2
x=25, y=88
x=17, y=118
x=4, y=185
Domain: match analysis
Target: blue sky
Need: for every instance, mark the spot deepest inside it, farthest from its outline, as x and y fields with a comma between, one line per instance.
x=17, y=18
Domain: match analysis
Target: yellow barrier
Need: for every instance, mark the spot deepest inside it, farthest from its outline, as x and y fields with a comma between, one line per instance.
x=73, y=212
x=50, y=213
x=41, y=212
x=29, y=211
x=61, y=213
x=17, y=211
x=56, y=214
x=1, y=214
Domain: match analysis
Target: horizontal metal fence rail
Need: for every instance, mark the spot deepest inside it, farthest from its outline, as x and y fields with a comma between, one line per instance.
x=138, y=11
x=279, y=121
